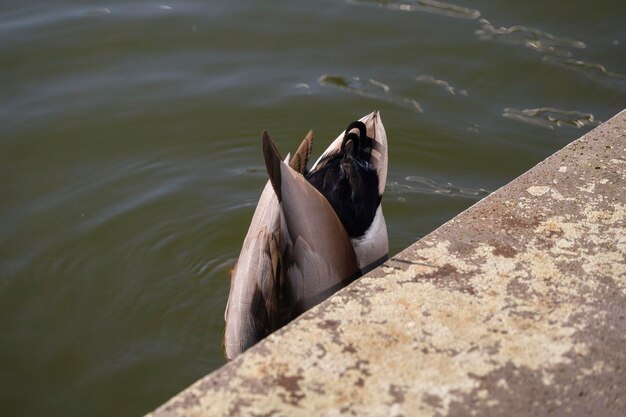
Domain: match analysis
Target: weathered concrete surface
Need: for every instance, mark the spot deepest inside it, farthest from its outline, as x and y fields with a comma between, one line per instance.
x=514, y=308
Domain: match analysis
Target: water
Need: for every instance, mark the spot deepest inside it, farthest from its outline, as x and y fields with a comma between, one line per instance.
x=130, y=156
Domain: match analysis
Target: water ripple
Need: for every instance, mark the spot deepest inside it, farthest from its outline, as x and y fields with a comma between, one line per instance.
x=429, y=79
x=213, y=266
x=98, y=11
x=428, y=6
x=424, y=185
x=551, y=118
x=590, y=69
x=529, y=37
x=368, y=87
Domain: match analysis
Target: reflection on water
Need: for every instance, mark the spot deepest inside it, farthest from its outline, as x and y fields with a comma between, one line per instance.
x=528, y=36
x=551, y=118
x=429, y=6
x=590, y=69
x=98, y=11
x=368, y=87
x=418, y=184
x=429, y=79
x=553, y=46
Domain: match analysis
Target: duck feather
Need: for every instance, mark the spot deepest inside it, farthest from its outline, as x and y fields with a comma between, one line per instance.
x=256, y=306
x=297, y=251
x=323, y=258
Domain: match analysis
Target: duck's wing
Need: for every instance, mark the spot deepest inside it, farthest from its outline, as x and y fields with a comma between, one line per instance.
x=246, y=316
x=322, y=259
x=254, y=308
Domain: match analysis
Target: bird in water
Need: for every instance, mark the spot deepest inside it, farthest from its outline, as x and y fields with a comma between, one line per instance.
x=312, y=233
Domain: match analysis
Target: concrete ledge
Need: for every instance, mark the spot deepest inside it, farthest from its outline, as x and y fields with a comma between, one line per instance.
x=515, y=307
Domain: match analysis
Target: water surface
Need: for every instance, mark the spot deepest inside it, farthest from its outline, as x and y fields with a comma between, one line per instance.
x=130, y=157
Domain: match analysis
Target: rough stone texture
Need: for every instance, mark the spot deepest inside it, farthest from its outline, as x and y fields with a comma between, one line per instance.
x=516, y=307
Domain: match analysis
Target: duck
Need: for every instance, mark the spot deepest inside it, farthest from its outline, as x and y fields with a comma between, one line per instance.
x=313, y=232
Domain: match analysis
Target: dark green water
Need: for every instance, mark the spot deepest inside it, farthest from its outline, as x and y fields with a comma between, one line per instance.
x=130, y=159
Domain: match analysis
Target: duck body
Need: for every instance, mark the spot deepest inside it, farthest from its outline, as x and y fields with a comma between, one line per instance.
x=312, y=233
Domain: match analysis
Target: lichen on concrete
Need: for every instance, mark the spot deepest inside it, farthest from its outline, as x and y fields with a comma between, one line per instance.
x=515, y=307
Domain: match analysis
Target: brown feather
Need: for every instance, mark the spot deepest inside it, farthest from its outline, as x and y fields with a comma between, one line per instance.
x=301, y=157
